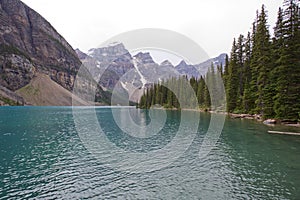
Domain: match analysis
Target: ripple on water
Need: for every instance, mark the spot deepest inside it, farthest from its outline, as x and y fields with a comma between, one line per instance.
x=43, y=157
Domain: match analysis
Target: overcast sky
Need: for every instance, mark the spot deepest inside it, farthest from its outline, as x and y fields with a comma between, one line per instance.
x=211, y=23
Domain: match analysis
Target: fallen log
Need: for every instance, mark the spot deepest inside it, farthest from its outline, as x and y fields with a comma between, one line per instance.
x=283, y=133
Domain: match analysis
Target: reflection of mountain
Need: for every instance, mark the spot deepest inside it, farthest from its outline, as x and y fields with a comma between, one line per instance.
x=115, y=68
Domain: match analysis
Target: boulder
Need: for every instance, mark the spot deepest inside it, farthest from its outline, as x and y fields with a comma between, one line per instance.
x=270, y=121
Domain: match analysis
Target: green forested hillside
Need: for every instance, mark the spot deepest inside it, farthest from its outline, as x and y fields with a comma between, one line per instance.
x=262, y=75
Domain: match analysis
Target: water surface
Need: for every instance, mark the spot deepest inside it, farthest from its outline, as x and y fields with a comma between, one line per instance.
x=42, y=156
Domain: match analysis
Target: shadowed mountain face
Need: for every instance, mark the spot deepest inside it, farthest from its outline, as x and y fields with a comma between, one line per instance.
x=27, y=34
x=29, y=44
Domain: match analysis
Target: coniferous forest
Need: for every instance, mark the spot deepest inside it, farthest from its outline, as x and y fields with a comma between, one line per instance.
x=261, y=76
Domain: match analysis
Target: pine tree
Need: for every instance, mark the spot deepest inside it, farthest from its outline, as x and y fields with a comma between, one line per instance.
x=240, y=71
x=247, y=74
x=183, y=98
x=233, y=80
x=220, y=89
x=226, y=70
x=278, y=39
x=258, y=73
x=207, y=101
x=250, y=95
x=287, y=104
x=261, y=66
x=158, y=94
x=142, y=101
x=200, y=91
x=277, y=47
x=169, y=99
x=210, y=87
x=220, y=69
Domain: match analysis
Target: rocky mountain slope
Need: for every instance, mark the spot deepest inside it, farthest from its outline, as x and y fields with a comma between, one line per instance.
x=186, y=69
x=7, y=97
x=40, y=92
x=110, y=62
x=34, y=57
x=117, y=70
x=30, y=45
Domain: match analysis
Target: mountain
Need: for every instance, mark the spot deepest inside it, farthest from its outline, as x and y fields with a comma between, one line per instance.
x=29, y=45
x=151, y=71
x=80, y=54
x=41, y=82
x=189, y=70
x=166, y=63
x=117, y=70
x=144, y=58
x=112, y=62
x=8, y=97
x=217, y=61
x=201, y=68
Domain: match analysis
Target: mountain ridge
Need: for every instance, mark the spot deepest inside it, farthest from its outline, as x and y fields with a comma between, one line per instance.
x=29, y=44
x=139, y=71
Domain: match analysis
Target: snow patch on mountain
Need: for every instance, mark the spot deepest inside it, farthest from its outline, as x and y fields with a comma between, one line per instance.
x=98, y=64
x=124, y=85
x=143, y=80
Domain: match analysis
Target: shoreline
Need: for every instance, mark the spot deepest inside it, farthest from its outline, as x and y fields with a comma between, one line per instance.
x=269, y=122
x=258, y=118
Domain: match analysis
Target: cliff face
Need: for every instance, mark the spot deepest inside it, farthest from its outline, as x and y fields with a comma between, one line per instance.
x=30, y=48
x=29, y=43
x=114, y=59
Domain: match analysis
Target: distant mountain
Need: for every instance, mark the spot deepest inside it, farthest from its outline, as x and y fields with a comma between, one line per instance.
x=116, y=69
x=80, y=54
x=166, y=63
x=217, y=61
x=32, y=50
x=189, y=70
x=30, y=45
x=151, y=71
x=112, y=62
x=144, y=58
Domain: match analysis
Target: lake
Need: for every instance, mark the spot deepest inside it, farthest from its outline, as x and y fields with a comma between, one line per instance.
x=50, y=152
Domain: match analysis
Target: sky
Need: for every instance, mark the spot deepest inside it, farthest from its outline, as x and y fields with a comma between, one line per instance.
x=212, y=24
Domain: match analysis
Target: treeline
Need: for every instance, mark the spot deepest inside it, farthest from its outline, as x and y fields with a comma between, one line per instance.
x=262, y=75
x=204, y=93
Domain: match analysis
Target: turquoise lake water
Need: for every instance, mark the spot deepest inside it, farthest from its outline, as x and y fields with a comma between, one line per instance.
x=44, y=156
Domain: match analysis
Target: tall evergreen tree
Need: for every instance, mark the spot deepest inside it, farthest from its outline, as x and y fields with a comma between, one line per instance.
x=233, y=80
x=261, y=66
x=200, y=91
x=261, y=76
x=247, y=74
x=226, y=70
x=278, y=34
x=207, y=101
x=250, y=95
x=287, y=104
x=240, y=70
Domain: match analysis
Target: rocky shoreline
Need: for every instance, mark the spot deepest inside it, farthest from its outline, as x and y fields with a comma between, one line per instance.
x=256, y=117
x=259, y=118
